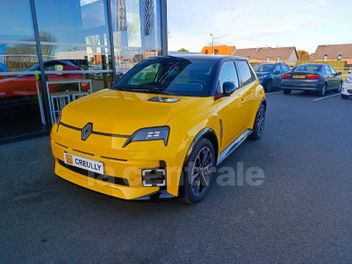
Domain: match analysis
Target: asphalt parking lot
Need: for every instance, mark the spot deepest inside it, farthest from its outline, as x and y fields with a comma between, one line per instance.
x=300, y=214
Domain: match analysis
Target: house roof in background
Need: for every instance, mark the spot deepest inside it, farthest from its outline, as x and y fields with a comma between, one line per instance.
x=263, y=53
x=333, y=51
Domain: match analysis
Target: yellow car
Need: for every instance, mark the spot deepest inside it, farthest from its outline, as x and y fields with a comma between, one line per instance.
x=162, y=129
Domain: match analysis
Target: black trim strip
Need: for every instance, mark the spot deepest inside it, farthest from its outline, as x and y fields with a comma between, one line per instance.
x=96, y=176
x=87, y=153
x=63, y=146
x=95, y=132
x=104, y=157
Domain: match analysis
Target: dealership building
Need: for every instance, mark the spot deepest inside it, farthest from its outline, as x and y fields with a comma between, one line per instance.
x=55, y=51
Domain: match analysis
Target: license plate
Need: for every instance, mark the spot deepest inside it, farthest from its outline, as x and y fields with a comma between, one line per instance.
x=299, y=76
x=83, y=163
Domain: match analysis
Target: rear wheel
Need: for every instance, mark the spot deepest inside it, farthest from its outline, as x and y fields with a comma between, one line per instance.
x=322, y=92
x=259, y=124
x=198, y=172
x=287, y=91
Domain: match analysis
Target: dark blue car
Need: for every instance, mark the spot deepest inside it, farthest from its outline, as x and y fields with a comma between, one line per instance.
x=270, y=74
x=312, y=77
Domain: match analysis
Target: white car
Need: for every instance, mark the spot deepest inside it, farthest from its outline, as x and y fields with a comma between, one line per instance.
x=346, y=91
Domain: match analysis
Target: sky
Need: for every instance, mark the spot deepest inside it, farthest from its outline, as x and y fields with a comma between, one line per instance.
x=250, y=24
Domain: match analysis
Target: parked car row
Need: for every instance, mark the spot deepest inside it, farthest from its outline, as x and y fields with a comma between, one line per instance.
x=305, y=77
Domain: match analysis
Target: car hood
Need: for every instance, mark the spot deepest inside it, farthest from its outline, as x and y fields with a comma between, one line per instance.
x=119, y=112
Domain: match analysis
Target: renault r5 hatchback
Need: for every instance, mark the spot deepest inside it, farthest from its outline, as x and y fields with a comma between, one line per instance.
x=162, y=129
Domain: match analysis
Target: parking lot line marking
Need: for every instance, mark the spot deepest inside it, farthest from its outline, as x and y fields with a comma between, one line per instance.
x=275, y=92
x=325, y=97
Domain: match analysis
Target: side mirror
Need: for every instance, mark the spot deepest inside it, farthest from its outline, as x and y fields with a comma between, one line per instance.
x=228, y=88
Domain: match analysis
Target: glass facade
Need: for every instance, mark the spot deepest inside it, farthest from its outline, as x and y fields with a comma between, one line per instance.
x=55, y=51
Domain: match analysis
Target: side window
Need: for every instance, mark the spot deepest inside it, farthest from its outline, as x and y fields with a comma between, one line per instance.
x=327, y=69
x=246, y=75
x=332, y=70
x=228, y=74
x=277, y=69
x=285, y=68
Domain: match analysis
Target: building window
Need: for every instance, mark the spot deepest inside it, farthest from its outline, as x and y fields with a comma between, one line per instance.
x=140, y=35
x=21, y=106
x=339, y=57
x=326, y=56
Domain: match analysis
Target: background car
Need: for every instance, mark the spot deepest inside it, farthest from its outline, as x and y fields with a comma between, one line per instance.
x=270, y=74
x=347, y=87
x=312, y=77
x=25, y=85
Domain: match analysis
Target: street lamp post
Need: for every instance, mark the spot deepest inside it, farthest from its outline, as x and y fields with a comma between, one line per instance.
x=212, y=43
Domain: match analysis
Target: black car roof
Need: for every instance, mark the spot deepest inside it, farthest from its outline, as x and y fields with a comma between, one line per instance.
x=200, y=57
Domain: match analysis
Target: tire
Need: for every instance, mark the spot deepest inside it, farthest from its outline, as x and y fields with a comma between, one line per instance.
x=269, y=86
x=198, y=174
x=338, y=90
x=344, y=96
x=259, y=124
x=287, y=91
x=322, y=92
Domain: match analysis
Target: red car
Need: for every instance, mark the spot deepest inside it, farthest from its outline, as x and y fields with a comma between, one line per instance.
x=25, y=85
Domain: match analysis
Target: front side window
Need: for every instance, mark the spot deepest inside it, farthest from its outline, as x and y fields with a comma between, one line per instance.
x=332, y=70
x=327, y=70
x=228, y=74
x=245, y=72
x=175, y=76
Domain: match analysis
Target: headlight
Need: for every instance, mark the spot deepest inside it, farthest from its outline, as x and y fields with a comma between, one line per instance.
x=348, y=80
x=149, y=134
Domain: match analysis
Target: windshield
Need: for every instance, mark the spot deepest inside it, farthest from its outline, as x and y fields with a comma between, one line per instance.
x=175, y=76
x=308, y=68
x=264, y=68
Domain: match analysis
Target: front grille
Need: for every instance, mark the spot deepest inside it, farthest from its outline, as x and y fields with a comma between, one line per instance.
x=349, y=91
x=97, y=176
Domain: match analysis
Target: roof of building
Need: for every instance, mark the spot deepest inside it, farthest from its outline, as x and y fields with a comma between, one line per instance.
x=264, y=53
x=220, y=49
x=333, y=51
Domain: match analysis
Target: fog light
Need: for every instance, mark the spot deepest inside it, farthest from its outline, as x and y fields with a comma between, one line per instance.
x=153, y=177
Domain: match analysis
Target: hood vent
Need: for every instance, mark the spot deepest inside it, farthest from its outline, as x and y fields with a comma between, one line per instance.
x=168, y=100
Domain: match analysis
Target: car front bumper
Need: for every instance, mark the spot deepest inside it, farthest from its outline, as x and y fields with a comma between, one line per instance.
x=347, y=89
x=122, y=166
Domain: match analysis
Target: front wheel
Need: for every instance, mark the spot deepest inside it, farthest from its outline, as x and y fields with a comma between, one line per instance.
x=259, y=124
x=287, y=91
x=198, y=172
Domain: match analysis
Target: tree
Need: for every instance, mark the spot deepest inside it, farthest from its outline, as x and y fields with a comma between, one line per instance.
x=303, y=55
x=182, y=50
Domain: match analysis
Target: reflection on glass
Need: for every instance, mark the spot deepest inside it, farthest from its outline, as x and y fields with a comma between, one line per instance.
x=21, y=110
x=137, y=32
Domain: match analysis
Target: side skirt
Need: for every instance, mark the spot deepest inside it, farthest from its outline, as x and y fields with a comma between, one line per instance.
x=233, y=146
